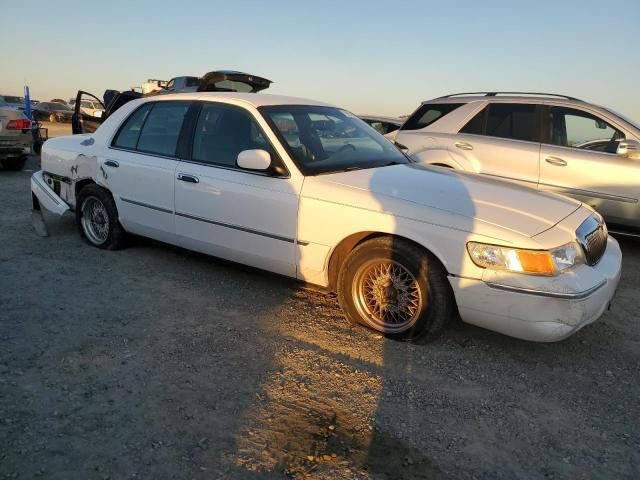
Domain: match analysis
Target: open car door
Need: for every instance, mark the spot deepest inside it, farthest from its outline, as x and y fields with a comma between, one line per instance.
x=82, y=122
x=113, y=100
x=232, y=81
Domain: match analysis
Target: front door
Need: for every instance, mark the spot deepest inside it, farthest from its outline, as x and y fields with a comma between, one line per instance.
x=578, y=158
x=244, y=216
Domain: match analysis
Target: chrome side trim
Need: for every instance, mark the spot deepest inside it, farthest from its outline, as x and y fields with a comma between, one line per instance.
x=543, y=293
x=146, y=205
x=236, y=227
x=589, y=193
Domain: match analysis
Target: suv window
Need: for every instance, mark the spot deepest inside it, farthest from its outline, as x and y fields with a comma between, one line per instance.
x=161, y=128
x=223, y=131
x=427, y=114
x=569, y=127
x=515, y=121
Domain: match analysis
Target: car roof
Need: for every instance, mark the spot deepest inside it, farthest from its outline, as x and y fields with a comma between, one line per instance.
x=482, y=97
x=253, y=99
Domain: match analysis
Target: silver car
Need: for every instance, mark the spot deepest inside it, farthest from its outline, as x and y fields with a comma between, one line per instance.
x=550, y=142
x=16, y=138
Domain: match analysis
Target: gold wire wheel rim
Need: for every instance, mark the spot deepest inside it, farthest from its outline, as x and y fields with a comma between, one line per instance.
x=387, y=296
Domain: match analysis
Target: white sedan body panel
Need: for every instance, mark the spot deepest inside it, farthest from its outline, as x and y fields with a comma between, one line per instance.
x=293, y=224
x=143, y=188
x=239, y=216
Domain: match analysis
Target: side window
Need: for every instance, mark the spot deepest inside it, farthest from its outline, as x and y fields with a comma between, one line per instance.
x=476, y=124
x=378, y=127
x=161, y=128
x=222, y=132
x=128, y=135
x=515, y=121
x=569, y=127
x=427, y=114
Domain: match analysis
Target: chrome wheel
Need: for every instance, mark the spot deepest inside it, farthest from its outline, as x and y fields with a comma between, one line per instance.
x=95, y=220
x=387, y=296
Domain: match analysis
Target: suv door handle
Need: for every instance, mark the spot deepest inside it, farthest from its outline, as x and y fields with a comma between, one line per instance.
x=558, y=162
x=464, y=145
x=112, y=163
x=185, y=177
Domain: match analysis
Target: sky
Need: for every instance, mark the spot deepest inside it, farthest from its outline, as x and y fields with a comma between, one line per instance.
x=366, y=56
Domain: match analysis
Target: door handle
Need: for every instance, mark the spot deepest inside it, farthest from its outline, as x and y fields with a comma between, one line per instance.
x=112, y=163
x=185, y=177
x=558, y=162
x=464, y=145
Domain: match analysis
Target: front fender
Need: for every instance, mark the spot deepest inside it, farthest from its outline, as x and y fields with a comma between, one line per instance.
x=440, y=156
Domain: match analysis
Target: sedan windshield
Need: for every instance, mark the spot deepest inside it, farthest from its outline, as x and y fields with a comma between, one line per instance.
x=328, y=139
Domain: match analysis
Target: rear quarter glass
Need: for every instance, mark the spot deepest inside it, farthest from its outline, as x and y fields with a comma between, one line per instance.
x=429, y=113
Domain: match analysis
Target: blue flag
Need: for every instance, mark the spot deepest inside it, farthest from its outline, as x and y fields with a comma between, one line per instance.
x=27, y=102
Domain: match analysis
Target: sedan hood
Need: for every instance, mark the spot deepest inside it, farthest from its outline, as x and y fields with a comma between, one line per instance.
x=405, y=190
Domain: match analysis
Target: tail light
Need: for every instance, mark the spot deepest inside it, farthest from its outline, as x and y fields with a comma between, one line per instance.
x=20, y=124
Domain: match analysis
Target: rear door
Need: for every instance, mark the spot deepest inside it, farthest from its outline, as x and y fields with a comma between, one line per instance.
x=503, y=141
x=140, y=166
x=578, y=158
x=83, y=122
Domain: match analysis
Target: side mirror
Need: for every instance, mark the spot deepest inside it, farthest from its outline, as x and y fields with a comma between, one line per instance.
x=629, y=149
x=601, y=125
x=258, y=160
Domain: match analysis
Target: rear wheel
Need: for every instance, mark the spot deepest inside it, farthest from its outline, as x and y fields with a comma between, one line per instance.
x=97, y=218
x=394, y=287
x=14, y=164
x=52, y=118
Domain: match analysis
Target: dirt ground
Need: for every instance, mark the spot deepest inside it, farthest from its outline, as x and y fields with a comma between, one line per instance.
x=157, y=363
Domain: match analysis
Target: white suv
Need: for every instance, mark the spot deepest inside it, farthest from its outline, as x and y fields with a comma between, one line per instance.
x=550, y=142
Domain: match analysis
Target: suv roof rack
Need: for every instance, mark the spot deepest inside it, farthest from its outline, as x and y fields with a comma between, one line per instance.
x=495, y=94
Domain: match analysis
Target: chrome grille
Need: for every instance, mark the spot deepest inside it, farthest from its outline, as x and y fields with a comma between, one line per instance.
x=592, y=235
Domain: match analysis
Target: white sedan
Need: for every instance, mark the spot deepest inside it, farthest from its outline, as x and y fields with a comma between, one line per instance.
x=307, y=190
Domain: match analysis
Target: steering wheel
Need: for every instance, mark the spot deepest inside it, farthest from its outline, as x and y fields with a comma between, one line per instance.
x=346, y=146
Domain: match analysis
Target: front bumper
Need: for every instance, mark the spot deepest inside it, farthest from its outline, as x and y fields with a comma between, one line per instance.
x=542, y=314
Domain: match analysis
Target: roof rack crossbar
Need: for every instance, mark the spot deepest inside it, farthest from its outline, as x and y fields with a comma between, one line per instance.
x=494, y=94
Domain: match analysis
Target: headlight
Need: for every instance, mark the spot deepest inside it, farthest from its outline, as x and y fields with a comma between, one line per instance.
x=538, y=262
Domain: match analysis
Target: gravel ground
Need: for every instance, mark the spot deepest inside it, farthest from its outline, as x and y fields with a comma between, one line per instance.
x=153, y=363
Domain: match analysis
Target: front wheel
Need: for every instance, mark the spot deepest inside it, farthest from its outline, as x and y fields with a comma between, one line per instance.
x=396, y=288
x=52, y=118
x=97, y=218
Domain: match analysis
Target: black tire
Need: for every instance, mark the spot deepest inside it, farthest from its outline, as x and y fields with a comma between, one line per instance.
x=435, y=307
x=114, y=234
x=37, y=148
x=14, y=164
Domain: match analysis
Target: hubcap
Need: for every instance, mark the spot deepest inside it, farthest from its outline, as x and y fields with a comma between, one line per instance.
x=387, y=296
x=95, y=220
